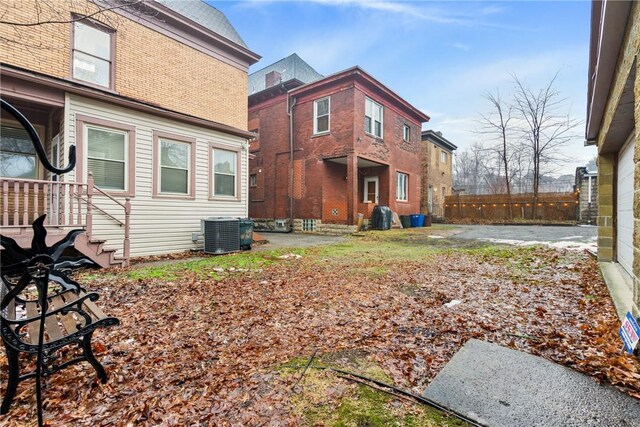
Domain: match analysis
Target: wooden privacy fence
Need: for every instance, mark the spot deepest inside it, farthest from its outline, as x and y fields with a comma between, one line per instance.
x=495, y=207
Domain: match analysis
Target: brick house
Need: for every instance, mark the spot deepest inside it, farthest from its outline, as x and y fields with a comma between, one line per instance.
x=613, y=120
x=329, y=148
x=154, y=100
x=437, y=172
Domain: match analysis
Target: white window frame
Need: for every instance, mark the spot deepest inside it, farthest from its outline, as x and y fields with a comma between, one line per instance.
x=443, y=156
x=375, y=180
x=125, y=139
x=235, y=195
x=406, y=132
x=373, y=111
x=316, y=116
x=110, y=61
x=402, y=186
x=161, y=166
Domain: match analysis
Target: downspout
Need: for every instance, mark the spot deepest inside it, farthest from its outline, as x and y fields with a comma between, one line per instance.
x=290, y=113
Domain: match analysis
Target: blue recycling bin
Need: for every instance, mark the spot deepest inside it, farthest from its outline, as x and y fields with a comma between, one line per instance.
x=417, y=220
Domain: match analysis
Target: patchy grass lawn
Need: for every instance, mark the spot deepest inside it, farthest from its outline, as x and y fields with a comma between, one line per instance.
x=224, y=340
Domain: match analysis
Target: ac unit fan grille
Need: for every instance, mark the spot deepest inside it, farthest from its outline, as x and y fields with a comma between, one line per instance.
x=221, y=236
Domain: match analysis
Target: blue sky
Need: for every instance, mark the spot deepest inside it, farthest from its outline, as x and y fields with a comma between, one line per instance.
x=439, y=56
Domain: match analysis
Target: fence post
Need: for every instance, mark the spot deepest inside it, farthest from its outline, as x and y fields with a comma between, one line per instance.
x=89, y=225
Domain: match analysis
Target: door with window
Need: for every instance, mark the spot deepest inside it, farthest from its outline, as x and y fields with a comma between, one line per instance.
x=371, y=189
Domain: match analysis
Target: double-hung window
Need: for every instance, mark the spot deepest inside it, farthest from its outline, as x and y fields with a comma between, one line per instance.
x=175, y=160
x=107, y=157
x=17, y=155
x=321, y=115
x=373, y=113
x=406, y=132
x=224, y=173
x=402, y=186
x=92, y=54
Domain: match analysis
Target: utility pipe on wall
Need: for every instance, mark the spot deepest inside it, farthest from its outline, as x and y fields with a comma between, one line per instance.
x=290, y=106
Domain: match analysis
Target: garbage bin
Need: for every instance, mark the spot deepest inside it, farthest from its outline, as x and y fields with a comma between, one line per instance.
x=381, y=218
x=405, y=220
x=417, y=220
x=427, y=220
x=246, y=233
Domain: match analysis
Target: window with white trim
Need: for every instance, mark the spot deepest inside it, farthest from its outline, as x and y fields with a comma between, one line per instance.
x=402, y=186
x=107, y=156
x=175, y=160
x=373, y=113
x=443, y=156
x=92, y=54
x=321, y=115
x=406, y=132
x=253, y=180
x=224, y=172
x=17, y=154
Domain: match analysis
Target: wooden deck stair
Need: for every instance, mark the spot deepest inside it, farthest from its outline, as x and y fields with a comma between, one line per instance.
x=93, y=248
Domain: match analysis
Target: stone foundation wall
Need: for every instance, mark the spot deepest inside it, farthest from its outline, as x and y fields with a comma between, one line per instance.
x=311, y=226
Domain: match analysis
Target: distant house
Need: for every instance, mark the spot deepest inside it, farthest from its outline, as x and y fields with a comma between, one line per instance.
x=613, y=120
x=329, y=148
x=155, y=103
x=586, y=184
x=437, y=172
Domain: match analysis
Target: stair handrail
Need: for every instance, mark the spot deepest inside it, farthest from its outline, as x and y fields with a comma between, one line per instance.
x=126, y=249
x=93, y=205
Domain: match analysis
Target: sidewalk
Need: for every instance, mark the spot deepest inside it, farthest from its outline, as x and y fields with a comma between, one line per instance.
x=500, y=387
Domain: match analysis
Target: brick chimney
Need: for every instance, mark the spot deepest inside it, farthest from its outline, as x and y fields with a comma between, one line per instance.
x=272, y=78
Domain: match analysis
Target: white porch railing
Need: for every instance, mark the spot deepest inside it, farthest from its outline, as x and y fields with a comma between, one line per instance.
x=67, y=205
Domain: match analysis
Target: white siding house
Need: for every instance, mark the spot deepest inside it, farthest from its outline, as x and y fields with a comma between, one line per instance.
x=160, y=223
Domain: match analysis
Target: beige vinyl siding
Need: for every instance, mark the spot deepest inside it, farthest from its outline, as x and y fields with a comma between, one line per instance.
x=158, y=225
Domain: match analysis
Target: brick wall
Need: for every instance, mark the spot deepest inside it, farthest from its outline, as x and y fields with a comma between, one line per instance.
x=272, y=123
x=436, y=174
x=148, y=66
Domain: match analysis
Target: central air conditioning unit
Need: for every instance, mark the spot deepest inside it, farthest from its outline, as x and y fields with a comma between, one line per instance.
x=221, y=235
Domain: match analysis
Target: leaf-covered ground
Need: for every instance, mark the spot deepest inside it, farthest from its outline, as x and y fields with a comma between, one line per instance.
x=217, y=341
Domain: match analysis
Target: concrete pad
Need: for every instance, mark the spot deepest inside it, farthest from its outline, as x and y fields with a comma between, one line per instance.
x=620, y=286
x=500, y=387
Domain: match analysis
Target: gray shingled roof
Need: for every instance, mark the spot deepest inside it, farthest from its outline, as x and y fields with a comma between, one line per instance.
x=291, y=67
x=206, y=15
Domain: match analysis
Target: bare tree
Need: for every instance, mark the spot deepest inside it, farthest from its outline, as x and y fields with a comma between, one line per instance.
x=13, y=30
x=543, y=128
x=471, y=167
x=498, y=124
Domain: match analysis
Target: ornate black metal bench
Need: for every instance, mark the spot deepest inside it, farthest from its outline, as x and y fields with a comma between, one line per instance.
x=42, y=311
x=70, y=318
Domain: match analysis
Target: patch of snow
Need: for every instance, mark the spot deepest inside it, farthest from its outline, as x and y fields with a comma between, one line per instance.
x=436, y=237
x=575, y=246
